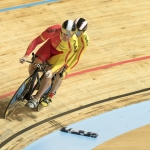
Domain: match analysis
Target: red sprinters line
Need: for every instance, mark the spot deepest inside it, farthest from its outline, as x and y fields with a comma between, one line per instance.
x=7, y=94
x=91, y=69
x=107, y=66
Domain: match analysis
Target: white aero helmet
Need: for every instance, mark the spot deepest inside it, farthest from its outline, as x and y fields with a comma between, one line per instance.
x=81, y=24
x=68, y=27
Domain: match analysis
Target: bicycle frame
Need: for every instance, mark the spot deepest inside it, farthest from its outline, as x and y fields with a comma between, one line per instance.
x=27, y=88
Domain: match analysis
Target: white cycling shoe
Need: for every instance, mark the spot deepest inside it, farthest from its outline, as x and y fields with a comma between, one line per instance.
x=33, y=103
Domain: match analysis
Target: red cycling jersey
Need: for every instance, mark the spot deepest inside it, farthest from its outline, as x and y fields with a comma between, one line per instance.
x=50, y=47
x=54, y=50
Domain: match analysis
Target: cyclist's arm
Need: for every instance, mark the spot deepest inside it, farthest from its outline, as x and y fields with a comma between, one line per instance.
x=74, y=50
x=48, y=33
x=33, y=45
x=77, y=56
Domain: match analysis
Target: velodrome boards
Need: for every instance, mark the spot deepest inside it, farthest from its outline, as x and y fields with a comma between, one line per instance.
x=115, y=65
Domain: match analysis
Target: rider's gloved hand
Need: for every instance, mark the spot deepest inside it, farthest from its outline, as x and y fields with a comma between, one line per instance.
x=49, y=74
x=23, y=59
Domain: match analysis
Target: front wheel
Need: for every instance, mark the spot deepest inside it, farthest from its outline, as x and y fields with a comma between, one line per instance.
x=18, y=96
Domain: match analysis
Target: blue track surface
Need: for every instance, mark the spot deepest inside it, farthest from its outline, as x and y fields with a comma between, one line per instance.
x=107, y=125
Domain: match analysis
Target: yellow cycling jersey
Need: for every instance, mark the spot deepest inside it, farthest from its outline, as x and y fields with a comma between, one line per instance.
x=68, y=48
x=83, y=42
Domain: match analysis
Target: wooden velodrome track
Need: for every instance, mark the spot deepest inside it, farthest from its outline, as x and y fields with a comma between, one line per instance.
x=118, y=52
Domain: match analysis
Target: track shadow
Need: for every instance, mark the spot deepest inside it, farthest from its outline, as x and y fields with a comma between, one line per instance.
x=3, y=106
x=20, y=112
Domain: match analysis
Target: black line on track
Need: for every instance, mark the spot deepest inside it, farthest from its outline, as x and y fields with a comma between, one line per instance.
x=68, y=112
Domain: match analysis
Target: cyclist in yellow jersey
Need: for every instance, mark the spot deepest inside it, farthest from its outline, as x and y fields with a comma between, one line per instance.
x=74, y=57
x=83, y=42
x=56, y=50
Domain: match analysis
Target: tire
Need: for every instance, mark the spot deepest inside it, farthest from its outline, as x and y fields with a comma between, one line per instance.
x=18, y=96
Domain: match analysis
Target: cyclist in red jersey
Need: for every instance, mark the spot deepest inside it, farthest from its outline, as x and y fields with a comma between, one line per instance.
x=60, y=41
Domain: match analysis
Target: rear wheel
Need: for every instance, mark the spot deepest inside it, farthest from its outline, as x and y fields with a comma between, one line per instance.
x=18, y=96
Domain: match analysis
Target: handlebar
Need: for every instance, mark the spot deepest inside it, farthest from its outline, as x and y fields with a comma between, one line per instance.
x=42, y=66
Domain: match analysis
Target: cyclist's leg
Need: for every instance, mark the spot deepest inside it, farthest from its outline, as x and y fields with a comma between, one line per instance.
x=45, y=84
x=32, y=67
x=56, y=84
x=52, y=92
